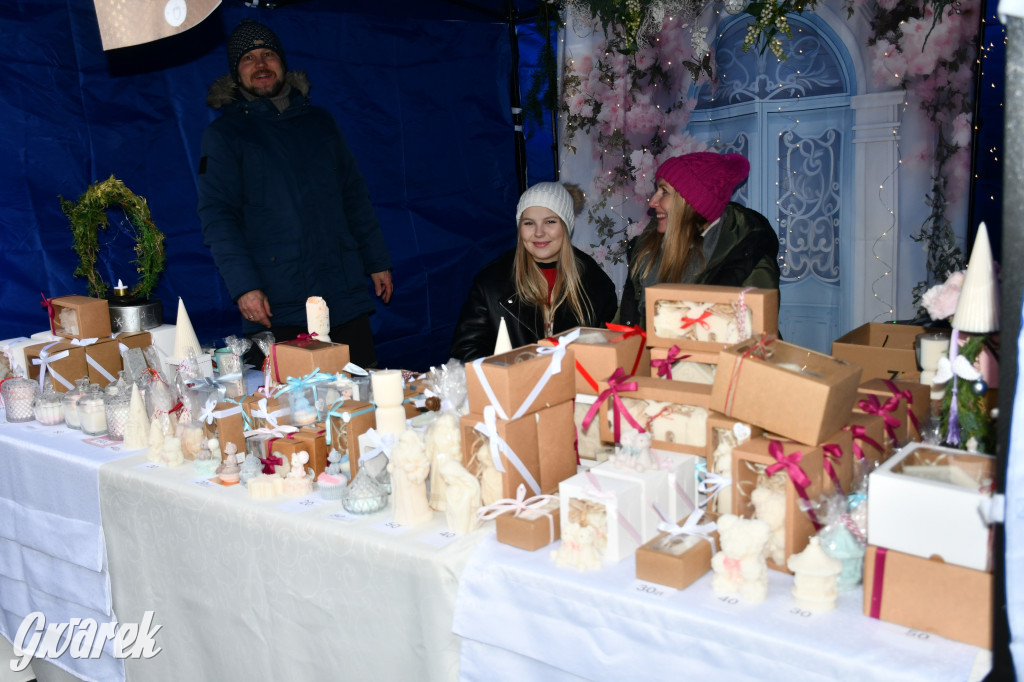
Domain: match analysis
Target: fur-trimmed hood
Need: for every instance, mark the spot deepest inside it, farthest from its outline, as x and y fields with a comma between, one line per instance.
x=224, y=90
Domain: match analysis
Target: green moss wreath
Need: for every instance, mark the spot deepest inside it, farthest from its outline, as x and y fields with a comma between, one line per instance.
x=89, y=214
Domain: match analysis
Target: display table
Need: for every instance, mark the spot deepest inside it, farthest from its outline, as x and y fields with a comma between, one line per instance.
x=270, y=589
x=52, y=553
x=524, y=619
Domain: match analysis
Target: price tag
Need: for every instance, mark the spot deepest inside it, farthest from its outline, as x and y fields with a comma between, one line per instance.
x=343, y=516
x=441, y=538
x=650, y=590
x=149, y=465
x=730, y=603
x=59, y=431
x=917, y=635
x=101, y=442
x=391, y=527
x=204, y=483
x=302, y=504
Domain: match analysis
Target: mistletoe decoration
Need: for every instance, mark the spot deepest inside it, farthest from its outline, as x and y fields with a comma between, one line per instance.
x=89, y=214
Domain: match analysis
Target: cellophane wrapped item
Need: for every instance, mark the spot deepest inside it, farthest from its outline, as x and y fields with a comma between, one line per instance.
x=448, y=384
x=231, y=366
x=264, y=341
x=702, y=321
x=843, y=535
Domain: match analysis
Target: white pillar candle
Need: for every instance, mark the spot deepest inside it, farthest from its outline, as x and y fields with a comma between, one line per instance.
x=390, y=419
x=387, y=388
x=931, y=347
x=93, y=418
x=318, y=318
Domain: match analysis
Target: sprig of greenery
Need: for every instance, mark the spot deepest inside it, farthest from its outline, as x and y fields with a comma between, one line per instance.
x=89, y=214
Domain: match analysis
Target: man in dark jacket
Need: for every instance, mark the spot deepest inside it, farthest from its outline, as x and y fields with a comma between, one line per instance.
x=285, y=210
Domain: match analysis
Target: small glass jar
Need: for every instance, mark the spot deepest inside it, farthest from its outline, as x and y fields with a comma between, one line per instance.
x=49, y=409
x=70, y=402
x=364, y=495
x=116, y=409
x=92, y=412
x=117, y=385
x=19, y=396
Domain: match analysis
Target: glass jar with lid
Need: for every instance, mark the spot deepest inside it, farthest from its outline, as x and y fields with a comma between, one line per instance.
x=70, y=401
x=116, y=408
x=19, y=396
x=92, y=412
x=49, y=409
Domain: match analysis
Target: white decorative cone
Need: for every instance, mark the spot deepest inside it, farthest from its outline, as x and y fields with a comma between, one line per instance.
x=136, y=432
x=184, y=335
x=503, y=344
x=977, y=311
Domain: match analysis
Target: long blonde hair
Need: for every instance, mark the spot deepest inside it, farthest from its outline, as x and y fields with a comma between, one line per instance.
x=532, y=286
x=678, y=247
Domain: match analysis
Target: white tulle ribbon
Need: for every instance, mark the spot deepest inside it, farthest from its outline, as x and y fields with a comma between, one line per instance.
x=960, y=366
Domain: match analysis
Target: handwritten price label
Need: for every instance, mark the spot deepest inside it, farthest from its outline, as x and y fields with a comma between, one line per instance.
x=343, y=516
x=391, y=527
x=150, y=465
x=302, y=504
x=441, y=538
x=204, y=483
x=650, y=590
x=917, y=634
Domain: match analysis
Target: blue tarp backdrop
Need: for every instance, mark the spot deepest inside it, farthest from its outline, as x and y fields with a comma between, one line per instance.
x=424, y=103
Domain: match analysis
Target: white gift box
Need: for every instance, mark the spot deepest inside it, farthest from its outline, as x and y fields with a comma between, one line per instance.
x=926, y=501
x=653, y=490
x=622, y=501
x=682, y=482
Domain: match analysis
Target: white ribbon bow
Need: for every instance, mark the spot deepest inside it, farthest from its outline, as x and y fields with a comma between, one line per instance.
x=960, y=366
x=712, y=485
x=691, y=526
x=489, y=428
x=277, y=432
x=379, y=443
x=270, y=417
x=206, y=415
x=44, y=360
x=518, y=506
x=84, y=342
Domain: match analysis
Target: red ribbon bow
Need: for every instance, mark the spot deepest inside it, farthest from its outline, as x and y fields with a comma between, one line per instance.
x=270, y=462
x=665, y=366
x=47, y=303
x=906, y=395
x=800, y=479
x=627, y=332
x=871, y=405
x=860, y=433
x=690, y=321
x=618, y=381
x=832, y=451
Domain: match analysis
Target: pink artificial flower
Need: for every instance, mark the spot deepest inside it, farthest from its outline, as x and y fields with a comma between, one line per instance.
x=587, y=110
x=940, y=301
x=961, y=136
x=600, y=254
x=586, y=65
x=575, y=103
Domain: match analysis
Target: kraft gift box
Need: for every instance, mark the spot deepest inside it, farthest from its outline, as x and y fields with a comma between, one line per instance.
x=837, y=452
x=874, y=429
x=105, y=354
x=133, y=340
x=689, y=365
x=585, y=493
x=785, y=389
x=316, y=445
x=599, y=352
x=71, y=367
x=228, y=425
x=278, y=407
x=799, y=524
x=676, y=561
x=299, y=357
x=678, y=414
x=919, y=404
x=588, y=441
x=694, y=333
x=925, y=501
x=92, y=315
x=883, y=351
x=543, y=442
x=928, y=595
x=345, y=424
x=719, y=454
x=531, y=530
x=513, y=376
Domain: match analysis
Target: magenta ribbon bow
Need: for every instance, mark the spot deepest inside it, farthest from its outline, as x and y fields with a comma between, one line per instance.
x=618, y=381
x=270, y=462
x=690, y=321
x=49, y=308
x=832, y=451
x=800, y=479
x=871, y=405
x=860, y=433
x=906, y=395
x=665, y=366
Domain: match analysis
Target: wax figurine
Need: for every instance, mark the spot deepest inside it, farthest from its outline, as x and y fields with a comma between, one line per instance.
x=739, y=566
x=444, y=444
x=462, y=497
x=769, y=500
x=409, y=467
x=297, y=482
x=489, y=476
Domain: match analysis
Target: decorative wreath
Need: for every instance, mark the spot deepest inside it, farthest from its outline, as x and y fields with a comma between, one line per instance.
x=89, y=214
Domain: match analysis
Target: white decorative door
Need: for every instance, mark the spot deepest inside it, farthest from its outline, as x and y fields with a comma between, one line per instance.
x=792, y=121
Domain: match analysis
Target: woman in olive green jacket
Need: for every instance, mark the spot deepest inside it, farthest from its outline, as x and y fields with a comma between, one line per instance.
x=698, y=236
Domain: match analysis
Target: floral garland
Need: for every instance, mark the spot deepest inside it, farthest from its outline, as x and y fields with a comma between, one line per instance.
x=89, y=214
x=928, y=49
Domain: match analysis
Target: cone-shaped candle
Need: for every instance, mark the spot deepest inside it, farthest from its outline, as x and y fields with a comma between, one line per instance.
x=977, y=311
x=136, y=431
x=503, y=344
x=184, y=335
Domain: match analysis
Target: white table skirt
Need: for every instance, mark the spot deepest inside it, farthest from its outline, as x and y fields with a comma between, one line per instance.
x=523, y=618
x=52, y=555
x=245, y=590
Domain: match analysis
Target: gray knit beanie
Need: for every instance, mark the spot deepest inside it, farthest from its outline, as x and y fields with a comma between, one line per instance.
x=552, y=196
x=249, y=35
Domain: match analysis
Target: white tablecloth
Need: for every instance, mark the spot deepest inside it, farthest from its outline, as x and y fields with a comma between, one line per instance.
x=52, y=556
x=246, y=590
x=524, y=619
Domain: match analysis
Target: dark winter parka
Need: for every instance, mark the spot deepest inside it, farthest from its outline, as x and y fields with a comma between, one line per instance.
x=284, y=207
x=493, y=297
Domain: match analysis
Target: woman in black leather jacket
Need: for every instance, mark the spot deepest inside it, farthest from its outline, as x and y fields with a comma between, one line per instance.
x=542, y=287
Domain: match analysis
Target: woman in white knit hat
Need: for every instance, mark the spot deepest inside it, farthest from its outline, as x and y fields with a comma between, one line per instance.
x=540, y=288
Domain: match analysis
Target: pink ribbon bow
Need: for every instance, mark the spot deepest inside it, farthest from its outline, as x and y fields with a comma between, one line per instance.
x=832, y=451
x=270, y=462
x=800, y=479
x=860, y=433
x=906, y=395
x=872, y=405
x=665, y=366
x=618, y=381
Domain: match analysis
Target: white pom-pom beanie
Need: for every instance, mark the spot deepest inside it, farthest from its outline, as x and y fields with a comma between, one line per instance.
x=552, y=196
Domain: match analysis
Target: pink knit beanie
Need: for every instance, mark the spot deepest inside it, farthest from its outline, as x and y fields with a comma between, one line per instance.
x=705, y=179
